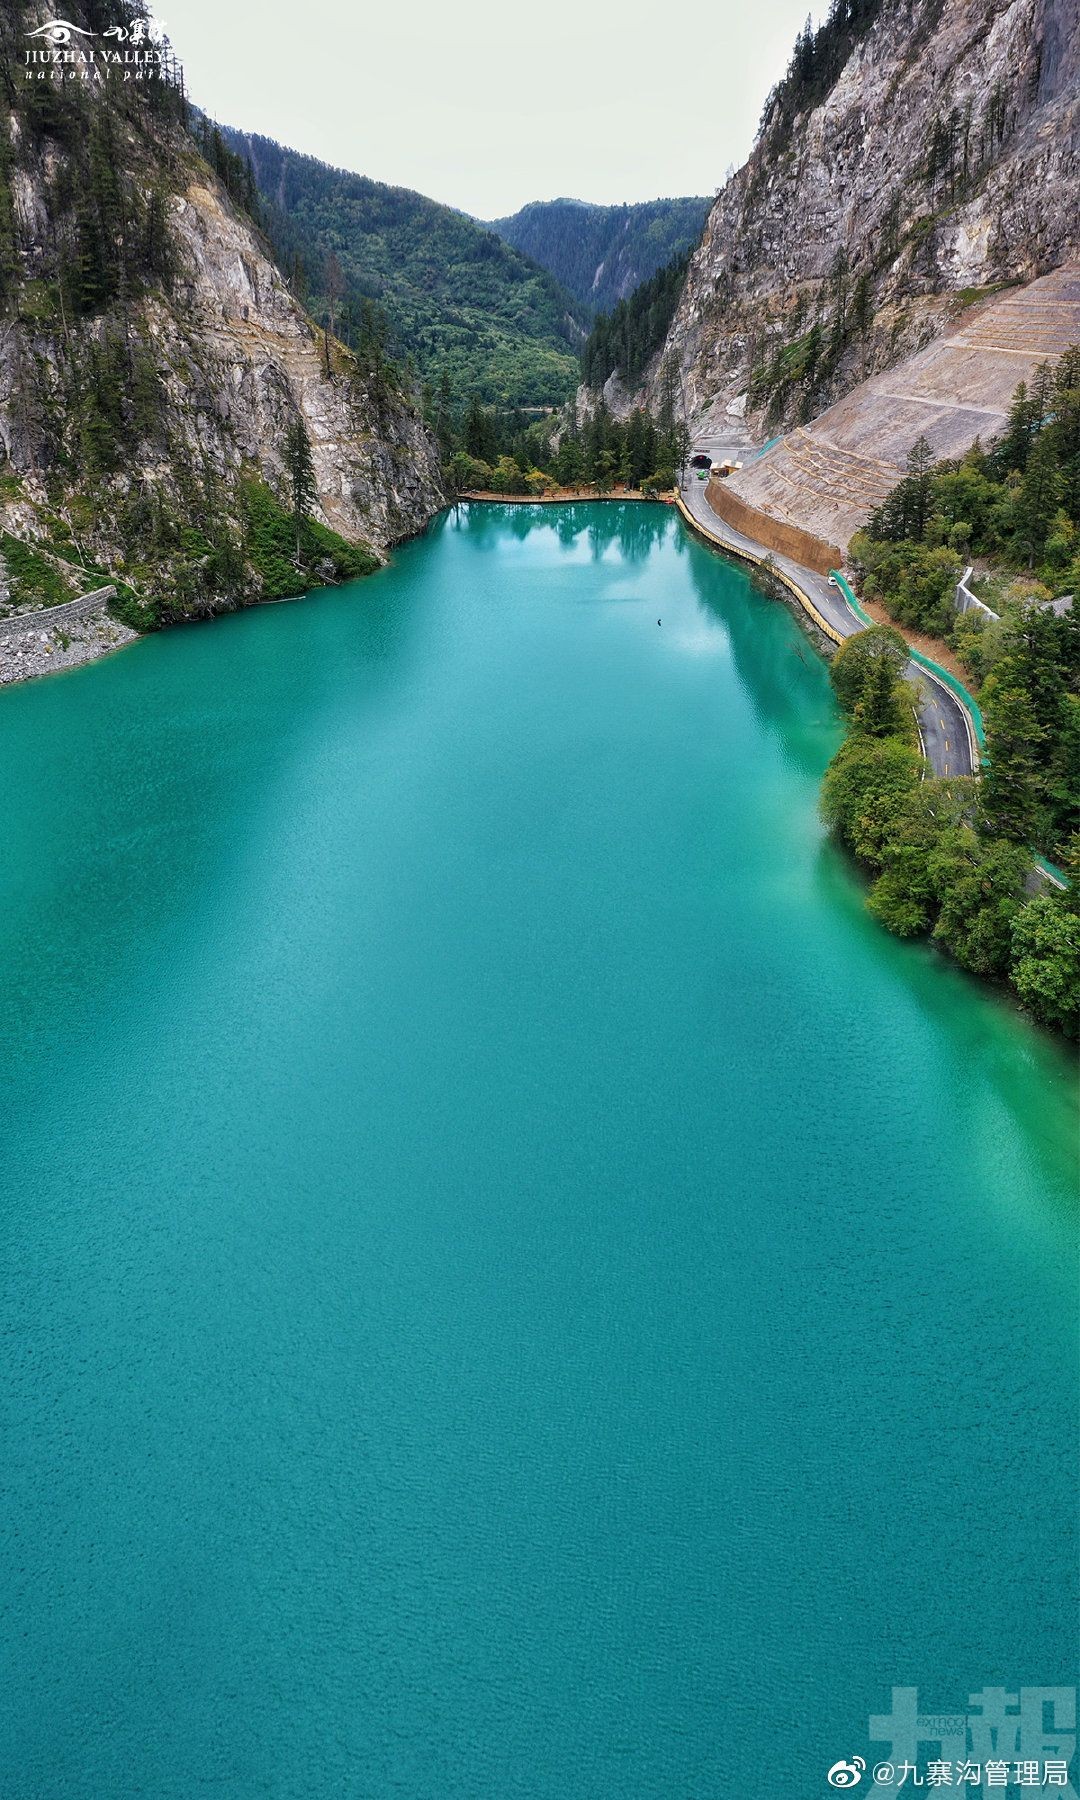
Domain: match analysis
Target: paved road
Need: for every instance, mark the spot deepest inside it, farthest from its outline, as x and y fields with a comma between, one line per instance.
x=943, y=723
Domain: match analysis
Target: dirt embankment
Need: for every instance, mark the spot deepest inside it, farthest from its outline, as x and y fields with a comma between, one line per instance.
x=934, y=647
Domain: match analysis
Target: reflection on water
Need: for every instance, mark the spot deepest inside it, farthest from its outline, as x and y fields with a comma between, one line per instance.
x=635, y=527
x=509, y=1279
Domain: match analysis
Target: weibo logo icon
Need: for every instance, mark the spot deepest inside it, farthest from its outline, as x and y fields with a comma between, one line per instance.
x=846, y=1774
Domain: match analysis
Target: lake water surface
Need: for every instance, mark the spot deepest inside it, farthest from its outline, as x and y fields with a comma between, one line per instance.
x=512, y=1284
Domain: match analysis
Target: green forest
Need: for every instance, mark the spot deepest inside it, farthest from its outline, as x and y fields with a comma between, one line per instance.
x=953, y=858
x=817, y=59
x=454, y=299
x=601, y=254
x=626, y=339
x=1017, y=503
x=487, y=451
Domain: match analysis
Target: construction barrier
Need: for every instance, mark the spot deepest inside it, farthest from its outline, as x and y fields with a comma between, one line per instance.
x=955, y=686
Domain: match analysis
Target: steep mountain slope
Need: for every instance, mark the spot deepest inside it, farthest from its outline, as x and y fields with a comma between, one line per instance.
x=458, y=300
x=155, y=371
x=915, y=151
x=602, y=253
x=828, y=475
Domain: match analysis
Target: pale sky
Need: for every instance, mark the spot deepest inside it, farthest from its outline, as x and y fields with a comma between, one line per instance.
x=486, y=104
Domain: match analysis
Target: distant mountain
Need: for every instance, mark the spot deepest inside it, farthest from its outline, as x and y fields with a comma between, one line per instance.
x=458, y=300
x=602, y=253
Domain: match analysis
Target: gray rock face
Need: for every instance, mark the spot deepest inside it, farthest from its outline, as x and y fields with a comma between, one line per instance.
x=990, y=86
x=259, y=359
x=237, y=360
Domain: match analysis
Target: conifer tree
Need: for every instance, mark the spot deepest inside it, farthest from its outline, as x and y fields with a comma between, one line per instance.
x=1037, y=501
x=301, y=473
x=1014, y=445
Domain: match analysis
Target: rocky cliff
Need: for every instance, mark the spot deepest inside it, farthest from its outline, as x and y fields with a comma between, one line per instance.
x=602, y=253
x=261, y=362
x=155, y=370
x=825, y=477
x=916, y=151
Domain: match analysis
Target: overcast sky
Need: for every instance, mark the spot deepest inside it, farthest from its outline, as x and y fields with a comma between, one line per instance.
x=486, y=103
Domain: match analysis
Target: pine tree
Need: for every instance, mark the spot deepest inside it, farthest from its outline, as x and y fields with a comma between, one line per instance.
x=568, y=461
x=157, y=255
x=862, y=306
x=919, y=486
x=878, y=712
x=1012, y=783
x=301, y=473
x=668, y=388
x=1014, y=445
x=1042, y=396
x=1037, y=501
x=334, y=284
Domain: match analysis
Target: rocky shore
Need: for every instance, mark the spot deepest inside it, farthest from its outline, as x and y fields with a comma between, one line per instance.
x=45, y=649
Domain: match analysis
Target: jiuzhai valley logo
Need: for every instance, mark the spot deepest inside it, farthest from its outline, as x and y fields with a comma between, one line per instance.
x=61, y=51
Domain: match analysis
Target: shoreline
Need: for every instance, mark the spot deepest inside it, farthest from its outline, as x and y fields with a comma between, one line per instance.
x=101, y=635
x=810, y=614
x=565, y=497
x=39, y=649
x=92, y=638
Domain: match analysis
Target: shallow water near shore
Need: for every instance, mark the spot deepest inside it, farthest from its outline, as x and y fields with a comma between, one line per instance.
x=512, y=1283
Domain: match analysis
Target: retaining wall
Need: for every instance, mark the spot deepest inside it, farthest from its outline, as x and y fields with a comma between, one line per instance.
x=29, y=624
x=773, y=534
x=759, y=562
x=966, y=601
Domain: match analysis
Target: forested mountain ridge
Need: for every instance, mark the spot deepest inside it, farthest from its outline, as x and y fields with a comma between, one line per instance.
x=602, y=253
x=913, y=155
x=458, y=301
x=170, y=418
x=624, y=341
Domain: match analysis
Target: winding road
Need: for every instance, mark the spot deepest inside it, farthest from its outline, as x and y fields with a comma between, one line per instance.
x=945, y=731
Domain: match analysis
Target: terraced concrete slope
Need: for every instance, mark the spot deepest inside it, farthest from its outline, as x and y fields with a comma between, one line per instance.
x=914, y=151
x=825, y=477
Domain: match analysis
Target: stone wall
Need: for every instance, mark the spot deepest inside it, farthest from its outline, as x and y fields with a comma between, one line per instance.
x=24, y=625
x=60, y=637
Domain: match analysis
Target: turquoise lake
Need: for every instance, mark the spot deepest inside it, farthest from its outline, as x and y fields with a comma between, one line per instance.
x=512, y=1285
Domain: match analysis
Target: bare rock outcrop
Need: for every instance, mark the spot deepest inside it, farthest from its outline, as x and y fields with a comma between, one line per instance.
x=944, y=158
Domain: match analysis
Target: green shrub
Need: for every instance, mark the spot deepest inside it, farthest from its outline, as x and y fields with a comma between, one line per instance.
x=916, y=583
x=866, y=786
x=33, y=577
x=507, y=478
x=466, y=474
x=866, y=676
x=980, y=885
x=270, y=540
x=137, y=614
